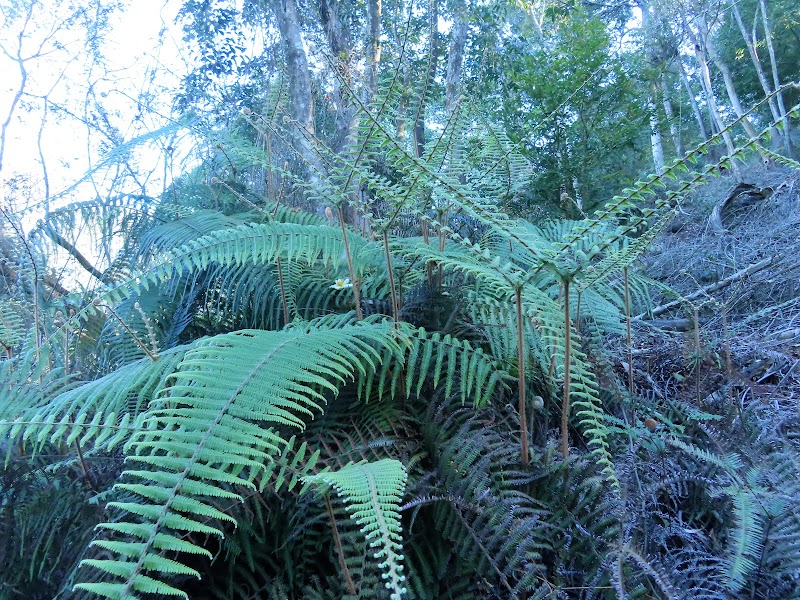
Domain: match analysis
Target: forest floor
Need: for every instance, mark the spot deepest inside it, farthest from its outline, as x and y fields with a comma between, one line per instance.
x=733, y=255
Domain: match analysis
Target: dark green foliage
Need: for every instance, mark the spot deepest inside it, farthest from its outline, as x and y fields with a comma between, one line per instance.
x=259, y=401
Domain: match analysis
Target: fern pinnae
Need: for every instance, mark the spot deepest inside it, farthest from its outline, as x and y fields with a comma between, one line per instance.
x=372, y=493
x=218, y=436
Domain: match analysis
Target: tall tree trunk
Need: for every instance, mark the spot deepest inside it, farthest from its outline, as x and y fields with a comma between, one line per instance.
x=787, y=138
x=452, y=85
x=373, y=47
x=301, y=103
x=727, y=78
x=656, y=143
x=430, y=73
x=341, y=47
x=698, y=115
x=708, y=89
x=751, y=49
x=455, y=61
x=674, y=126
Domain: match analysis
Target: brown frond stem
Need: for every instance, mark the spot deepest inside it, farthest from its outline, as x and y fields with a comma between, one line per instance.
x=523, y=419
x=337, y=541
x=395, y=309
x=353, y=279
x=567, y=359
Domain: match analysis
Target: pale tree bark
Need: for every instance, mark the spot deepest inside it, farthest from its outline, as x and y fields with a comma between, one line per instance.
x=698, y=115
x=751, y=49
x=787, y=138
x=711, y=99
x=374, y=8
x=452, y=86
x=455, y=61
x=674, y=128
x=341, y=46
x=708, y=89
x=656, y=142
x=301, y=103
x=733, y=96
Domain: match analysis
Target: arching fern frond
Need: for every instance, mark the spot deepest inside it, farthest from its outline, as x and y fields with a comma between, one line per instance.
x=102, y=412
x=372, y=493
x=217, y=424
x=257, y=244
x=455, y=364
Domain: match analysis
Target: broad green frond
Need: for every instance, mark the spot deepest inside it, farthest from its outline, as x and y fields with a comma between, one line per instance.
x=102, y=412
x=250, y=244
x=217, y=425
x=372, y=493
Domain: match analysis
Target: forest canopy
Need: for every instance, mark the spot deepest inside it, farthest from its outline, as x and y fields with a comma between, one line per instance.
x=400, y=299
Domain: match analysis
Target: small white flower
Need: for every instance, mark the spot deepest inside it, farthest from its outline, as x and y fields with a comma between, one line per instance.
x=341, y=284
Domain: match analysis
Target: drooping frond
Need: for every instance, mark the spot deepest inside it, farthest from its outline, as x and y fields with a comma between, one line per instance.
x=219, y=420
x=372, y=492
x=102, y=412
x=254, y=244
x=445, y=361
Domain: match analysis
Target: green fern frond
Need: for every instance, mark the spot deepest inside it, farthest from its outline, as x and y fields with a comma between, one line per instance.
x=13, y=326
x=372, y=493
x=102, y=412
x=27, y=382
x=251, y=244
x=730, y=463
x=212, y=428
x=442, y=359
x=747, y=539
x=183, y=228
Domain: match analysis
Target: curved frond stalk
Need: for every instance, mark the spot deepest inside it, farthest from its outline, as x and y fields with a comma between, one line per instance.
x=521, y=352
x=567, y=373
x=213, y=427
x=372, y=492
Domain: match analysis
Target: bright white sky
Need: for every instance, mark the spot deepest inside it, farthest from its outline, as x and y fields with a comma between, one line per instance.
x=141, y=54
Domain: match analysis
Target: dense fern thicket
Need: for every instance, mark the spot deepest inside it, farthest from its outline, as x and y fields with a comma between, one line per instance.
x=366, y=372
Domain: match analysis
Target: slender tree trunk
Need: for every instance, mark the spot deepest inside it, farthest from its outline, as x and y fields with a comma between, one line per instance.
x=698, y=115
x=301, y=103
x=455, y=61
x=708, y=89
x=733, y=96
x=750, y=43
x=787, y=138
x=373, y=47
x=674, y=126
x=341, y=46
x=656, y=143
x=452, y=84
